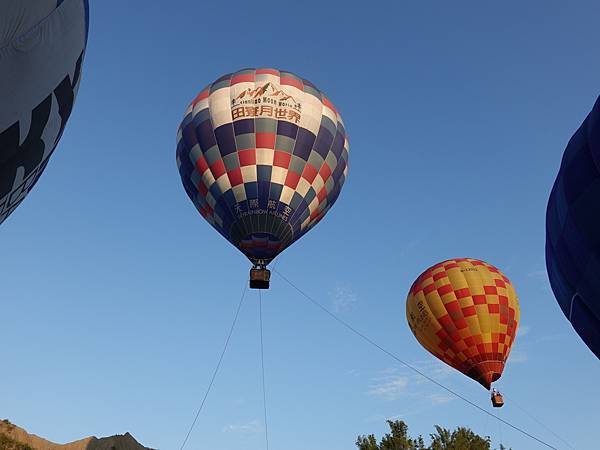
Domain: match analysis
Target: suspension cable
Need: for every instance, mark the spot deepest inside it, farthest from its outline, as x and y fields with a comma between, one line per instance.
x=409, y=366
x=218, y=366
x=262, y=364
x=532, y=417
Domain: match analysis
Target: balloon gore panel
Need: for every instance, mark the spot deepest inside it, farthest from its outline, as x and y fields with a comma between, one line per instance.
x=573, y=232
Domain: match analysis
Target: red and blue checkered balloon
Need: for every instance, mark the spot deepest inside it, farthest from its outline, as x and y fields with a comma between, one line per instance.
x=573, y=232
x=263, y=155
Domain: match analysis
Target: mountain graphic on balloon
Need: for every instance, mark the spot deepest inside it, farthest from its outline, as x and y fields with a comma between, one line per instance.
x=266, y=90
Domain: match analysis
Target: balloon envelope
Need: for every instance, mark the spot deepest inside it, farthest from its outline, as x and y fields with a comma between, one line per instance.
x=466, y=313
x=263, y=155
x=573, y=232
x=42, y=44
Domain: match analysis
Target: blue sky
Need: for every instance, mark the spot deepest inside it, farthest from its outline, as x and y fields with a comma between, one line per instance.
x=117, y=295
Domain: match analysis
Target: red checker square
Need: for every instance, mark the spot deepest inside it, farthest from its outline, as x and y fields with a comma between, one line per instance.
x=469, y=311
x=265, y=140
x=461, y=324
x=490, y=290
x=244, y=77
x=289, y=81
x=201, y=164
x=292, y=179
x=481, y=349
x=500, y=283
x=235, y=176
x=322, y=194
x=218, y=168
x=267, y=71
x=452, y=307
x=495, y=347
x=446, y=321
x=202, y=188
x=438, y=275
x=441, y=333
x=511, y=313
x=429, y=288
x=493, y=308
x=479, y=299
x=282, y=159
x=492, y=269
x=309, y=173
x=470, y=341
x=462, y=293
x=477, y=263
x=325, y=171
x=506, y=280
x=503, y=319
x=445, y=289
x=455, y=336
x=328, y=103
x=201, y=96
x=247, y=157
x=503, y=300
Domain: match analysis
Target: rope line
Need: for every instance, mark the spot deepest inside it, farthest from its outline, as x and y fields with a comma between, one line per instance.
x=218, y=366
x=262, y=364
x=532, y=417
x=414, y=369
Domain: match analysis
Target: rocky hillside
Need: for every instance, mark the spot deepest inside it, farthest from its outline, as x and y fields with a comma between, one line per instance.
x=14, y=438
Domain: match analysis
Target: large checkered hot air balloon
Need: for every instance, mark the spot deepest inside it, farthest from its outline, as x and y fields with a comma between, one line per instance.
x=573, y=232
x=465, y=312
x=263, y=155
x=42, y=44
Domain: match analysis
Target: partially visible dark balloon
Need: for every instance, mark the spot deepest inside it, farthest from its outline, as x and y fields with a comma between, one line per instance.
x=573, y=232
x=42, y=45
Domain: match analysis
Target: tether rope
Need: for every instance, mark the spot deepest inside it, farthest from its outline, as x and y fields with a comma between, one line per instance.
x=218, y=366
x=262, y=364
x=414, y=369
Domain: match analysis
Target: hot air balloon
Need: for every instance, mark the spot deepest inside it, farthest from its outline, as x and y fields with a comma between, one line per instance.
x=466, y=313
x=42, y=44
x=263, y=155
x=573, y=232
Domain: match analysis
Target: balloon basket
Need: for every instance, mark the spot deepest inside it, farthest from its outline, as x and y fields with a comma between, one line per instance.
x=259, y=278
x=497, y=401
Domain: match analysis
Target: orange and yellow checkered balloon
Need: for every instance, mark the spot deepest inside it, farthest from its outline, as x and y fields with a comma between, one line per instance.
x=465, y=312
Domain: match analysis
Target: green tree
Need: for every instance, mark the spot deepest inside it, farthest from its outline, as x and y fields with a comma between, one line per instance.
x=398, y=438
